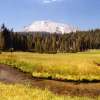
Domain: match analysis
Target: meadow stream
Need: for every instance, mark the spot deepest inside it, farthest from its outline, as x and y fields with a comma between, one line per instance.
x=12, y=75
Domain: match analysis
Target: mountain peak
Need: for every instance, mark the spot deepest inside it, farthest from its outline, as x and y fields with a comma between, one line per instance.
x=49, y=26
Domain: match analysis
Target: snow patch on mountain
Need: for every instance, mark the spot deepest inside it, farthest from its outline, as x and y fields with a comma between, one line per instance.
x=49, y=26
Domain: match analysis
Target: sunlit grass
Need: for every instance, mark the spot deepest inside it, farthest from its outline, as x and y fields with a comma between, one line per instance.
x=21, y=92
x=70, y=66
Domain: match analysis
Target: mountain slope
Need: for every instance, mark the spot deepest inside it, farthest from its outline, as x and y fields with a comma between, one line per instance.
x=49, y=26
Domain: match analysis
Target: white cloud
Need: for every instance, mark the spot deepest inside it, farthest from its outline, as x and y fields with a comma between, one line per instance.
x=51, y=1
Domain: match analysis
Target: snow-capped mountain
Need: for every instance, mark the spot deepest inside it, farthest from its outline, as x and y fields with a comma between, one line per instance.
x=49, y=26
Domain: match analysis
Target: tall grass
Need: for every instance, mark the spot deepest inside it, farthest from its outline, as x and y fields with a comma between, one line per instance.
x=21, y=92
x=70, y=66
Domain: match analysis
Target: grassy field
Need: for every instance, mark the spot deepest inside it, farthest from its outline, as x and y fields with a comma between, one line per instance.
x=21, y=92
x=70, y=66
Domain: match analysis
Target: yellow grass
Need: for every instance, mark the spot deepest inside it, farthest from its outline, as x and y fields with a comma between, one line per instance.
x=71, y=66
x=21, y=92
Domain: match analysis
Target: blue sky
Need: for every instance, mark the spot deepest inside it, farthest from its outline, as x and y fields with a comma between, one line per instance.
x=84, y=14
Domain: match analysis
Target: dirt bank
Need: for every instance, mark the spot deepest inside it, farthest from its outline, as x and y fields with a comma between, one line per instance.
x=13, y=75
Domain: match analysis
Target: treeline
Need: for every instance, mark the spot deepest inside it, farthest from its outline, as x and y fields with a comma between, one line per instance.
x=49, y=43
